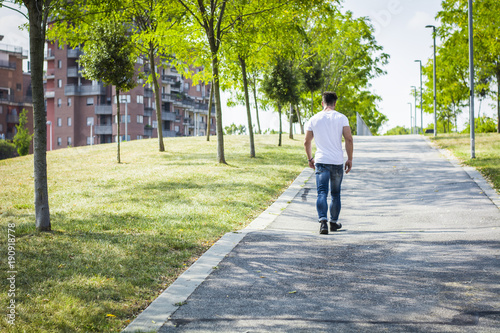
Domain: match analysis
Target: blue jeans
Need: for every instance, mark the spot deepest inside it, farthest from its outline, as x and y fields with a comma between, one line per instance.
x=328, y=175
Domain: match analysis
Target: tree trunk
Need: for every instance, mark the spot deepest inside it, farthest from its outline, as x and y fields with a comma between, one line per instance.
x=279, y=115
x=218, y=110
x=210, y=110
x=156, y=86
x=312, y=103
x=37, y=28
x=118, y=124
x=247, y=103
x=256, y=104
x=290, y=119
x=300, y=120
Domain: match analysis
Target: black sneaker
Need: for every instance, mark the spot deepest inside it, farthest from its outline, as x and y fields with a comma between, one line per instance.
x=334, y=226
x=323, y=230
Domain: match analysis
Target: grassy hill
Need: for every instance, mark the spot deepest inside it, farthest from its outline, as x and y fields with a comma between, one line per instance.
x=123, y=232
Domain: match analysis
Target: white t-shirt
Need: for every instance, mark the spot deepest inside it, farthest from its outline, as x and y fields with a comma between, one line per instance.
x=327, y=127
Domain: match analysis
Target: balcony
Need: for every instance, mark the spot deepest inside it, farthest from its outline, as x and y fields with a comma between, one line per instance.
x=72, y=90
x=12, y=119
x=103, y=129
x=167, y=116
x=49, y=55
x=167, y=98
x=169, y=79
x=202, y=126
x=148, y=92
x=73, y=72
x=74, y=53
x=148, y=112
x=188, y=121
x=7, y=64
x=104, y=109
x=50, y=94
x=148, y=131
x=176, y=86
x=169, y=133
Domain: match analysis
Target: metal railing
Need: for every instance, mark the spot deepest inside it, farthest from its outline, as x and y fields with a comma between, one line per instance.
x=167, y=116
x=13, y=119
x=148, y=112
x=71, y=90
x=103, y=129
x=148, y=131
x=104, y=109
x=73, y=72
x=13, y=49
x=74, y=53
x=7, y=64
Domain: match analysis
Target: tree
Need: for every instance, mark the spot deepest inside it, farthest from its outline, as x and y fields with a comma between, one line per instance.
x=281, y=86
x=454, y=22
x=22, y=139
x=109, y=56
x=38, y=14
x=398, y=130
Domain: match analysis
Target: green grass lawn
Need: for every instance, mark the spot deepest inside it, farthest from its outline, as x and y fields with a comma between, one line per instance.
x=121, y=233
x=487, y=147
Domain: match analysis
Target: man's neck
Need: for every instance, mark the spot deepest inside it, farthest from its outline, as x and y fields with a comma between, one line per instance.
x=329, y=108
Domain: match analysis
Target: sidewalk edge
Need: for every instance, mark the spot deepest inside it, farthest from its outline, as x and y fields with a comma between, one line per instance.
x=159, y=311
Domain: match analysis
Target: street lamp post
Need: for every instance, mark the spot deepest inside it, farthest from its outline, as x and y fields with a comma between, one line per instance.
x=415, y=118
x=50, y=133
x=421, y=106
x=434, y=76
x=471, y=79
x=411, y=119
x=125, y=100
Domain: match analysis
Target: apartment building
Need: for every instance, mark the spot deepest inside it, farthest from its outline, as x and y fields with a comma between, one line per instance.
x=15, y=90
x=83, y=112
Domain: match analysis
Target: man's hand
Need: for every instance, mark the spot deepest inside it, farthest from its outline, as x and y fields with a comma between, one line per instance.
x=348, y=166
x=311, y=164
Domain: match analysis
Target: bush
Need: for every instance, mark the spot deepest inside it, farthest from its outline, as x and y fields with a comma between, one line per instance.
x=7, y=149
x=483, y=124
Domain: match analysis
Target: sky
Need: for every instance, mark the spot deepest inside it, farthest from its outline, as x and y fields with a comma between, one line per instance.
x=399, y=29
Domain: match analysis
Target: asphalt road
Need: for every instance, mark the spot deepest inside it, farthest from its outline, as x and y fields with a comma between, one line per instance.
x=419, y=252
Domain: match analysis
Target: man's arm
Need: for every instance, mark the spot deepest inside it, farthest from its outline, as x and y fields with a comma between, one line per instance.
x=308, y=148
x=349, y=147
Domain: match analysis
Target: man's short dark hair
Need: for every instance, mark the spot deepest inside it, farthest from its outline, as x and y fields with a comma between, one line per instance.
x=330, y=98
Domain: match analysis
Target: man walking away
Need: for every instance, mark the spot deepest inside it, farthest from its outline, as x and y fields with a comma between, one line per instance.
x=327, y=128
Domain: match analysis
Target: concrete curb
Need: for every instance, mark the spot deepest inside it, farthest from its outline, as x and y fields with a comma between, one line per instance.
x=158, y=312
x=475, y=175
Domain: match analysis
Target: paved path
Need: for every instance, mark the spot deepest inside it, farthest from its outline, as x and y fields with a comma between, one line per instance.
x=419, y=252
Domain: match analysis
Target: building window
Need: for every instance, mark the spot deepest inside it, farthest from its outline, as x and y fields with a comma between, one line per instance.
x=176, y=128
x=1, y=109
x=163, y=90
x=59, y=64
x=140, y=119
x=90, y=121
x=211, y=121
x=59, y=122
x=59, y=83
x=140, y=99
x=59, y=102
x=69, y=121
x=186, y=86
x=59, y=141
x=69, y=141
x=69, y=101
x=1, y=127
x=90, y=100
x=155, y=124
x=198, y=87
x=19, y=87
x=89, y=140
x=139, y=137
x=122, y=119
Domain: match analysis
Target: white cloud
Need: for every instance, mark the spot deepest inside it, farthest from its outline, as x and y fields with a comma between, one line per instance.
x=420, y=20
